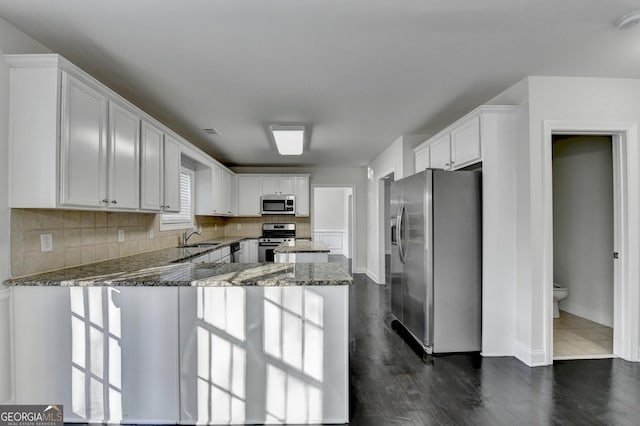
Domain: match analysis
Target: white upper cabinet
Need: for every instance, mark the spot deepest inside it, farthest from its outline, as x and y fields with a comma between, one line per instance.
x=160, y=170
x=302, y=195
x=75, y=143
x=124, y=158
x=460, y=144
x=251, y=187
x=465, y=143
x=287, y=185
x=440, y=152
x=270, y=184
x=281, y=185
x=171, y=175
x=83, y=145
x=213, y=191
x=226, y=193
x=151, y=172
x=422, y=159
x=249, y=192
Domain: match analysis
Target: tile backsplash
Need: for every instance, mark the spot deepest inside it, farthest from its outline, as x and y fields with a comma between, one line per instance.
x=85, y=237
x=81, y=237
x=252, y=226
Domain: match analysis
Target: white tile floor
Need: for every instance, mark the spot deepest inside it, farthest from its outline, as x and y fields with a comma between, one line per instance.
x=577, y=337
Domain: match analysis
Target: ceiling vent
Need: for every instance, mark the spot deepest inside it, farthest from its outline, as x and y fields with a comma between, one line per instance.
x=211, y=131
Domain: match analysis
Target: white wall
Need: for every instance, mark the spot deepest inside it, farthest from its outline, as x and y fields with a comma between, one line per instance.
x=568, y=99
x=583, y=225
x=329, y=209
x=397, y=158
x=330, y=218
x=335, y=176
x=11, y=41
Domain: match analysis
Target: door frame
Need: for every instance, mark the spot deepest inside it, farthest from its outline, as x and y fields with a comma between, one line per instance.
x=382, y=223
x=354, y=216
x=626, y=208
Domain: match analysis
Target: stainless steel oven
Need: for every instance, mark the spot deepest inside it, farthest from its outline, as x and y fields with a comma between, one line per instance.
x=274, y=234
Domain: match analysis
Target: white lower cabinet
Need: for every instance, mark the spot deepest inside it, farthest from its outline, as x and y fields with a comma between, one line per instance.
x=108, y=354
x=264, y=355
x=249, y=251
x=190, y=355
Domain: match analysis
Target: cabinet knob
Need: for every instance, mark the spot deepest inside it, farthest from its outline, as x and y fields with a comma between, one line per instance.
x=105, y=201
x=114, y=202
x=167, y=206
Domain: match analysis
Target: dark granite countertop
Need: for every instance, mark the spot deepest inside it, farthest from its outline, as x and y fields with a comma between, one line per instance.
x=302, y=246
x=161, y=268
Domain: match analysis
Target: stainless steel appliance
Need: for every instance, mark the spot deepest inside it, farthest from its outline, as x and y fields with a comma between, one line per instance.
x=436, y=259
x=278, y=204
x=235, y=252
x=274, y=234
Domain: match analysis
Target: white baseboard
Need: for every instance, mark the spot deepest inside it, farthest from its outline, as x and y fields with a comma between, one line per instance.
x=495, y=354
x=535, y=358
x=374, y=277
x=360, y=270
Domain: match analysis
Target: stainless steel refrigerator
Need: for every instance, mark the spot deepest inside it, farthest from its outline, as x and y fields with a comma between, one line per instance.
x=436, y=259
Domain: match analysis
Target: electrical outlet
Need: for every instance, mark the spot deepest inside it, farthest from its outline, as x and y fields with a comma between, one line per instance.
x=215, y=226
x=151, y=234
x=238, y=226
x=46, y=242
x=120, y=235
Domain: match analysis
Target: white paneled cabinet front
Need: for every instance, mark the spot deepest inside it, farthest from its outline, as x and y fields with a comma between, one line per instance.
x=281, y=185
x=213, y=191
x=171, y=174
x=422, y=160
x=83, y=145
x=160, y=170
x=124, y=158
x=440, y=150
x=264, y=355
x=465, y=143
x=249, y=192
x=108, y=354
x=302, y=195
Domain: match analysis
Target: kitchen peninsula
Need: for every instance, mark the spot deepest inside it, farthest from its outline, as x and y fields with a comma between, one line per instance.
x=151, y=339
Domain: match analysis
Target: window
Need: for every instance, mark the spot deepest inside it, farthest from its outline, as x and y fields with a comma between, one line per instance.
x=183, y=219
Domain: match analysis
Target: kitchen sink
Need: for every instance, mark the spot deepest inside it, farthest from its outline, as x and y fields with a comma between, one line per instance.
x=201, y=245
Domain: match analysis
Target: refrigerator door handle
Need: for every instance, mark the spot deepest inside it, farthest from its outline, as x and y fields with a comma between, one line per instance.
x=399, y=235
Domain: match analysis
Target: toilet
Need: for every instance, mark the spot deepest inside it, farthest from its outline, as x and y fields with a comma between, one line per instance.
x=559, y=293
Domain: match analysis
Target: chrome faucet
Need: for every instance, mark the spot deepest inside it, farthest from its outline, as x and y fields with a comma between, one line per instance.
x=187, y=235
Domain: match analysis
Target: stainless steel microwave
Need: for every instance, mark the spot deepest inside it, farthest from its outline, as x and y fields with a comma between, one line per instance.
x=278, y=204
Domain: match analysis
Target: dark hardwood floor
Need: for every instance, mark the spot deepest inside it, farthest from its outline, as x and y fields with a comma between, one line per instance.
x=390, y=385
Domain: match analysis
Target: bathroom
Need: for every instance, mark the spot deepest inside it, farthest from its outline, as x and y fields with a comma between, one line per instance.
x=583, y=246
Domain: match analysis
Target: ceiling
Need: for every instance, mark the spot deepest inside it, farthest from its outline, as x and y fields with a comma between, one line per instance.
x=361, y=72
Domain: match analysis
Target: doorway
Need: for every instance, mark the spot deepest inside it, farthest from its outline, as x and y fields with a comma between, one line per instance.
x=333, y=220
x=583, y=246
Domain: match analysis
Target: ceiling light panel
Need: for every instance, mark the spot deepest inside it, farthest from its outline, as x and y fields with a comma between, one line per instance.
x=289, y=139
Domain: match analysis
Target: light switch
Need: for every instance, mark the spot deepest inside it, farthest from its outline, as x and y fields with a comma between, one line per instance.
x=151, y=234
x=120, y=235
x=238, y=226
x=46, y=242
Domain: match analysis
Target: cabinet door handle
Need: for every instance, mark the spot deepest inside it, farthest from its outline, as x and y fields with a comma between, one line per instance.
x=105, y=201
x=167, y=206
x=114, y=202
